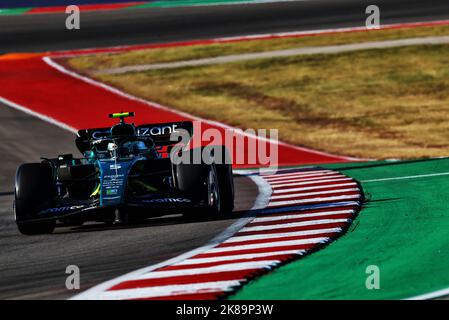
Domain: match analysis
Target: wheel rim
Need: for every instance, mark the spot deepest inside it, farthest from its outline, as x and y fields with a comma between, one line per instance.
x=214, y=198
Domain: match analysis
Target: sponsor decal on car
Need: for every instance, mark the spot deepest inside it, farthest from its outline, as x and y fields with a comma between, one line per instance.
x=158, y=130
x=115, y=166
x=167, y=200
x=62, y=209
x=112, y=192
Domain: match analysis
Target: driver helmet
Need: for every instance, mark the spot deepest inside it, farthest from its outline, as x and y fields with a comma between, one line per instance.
x=123, y=129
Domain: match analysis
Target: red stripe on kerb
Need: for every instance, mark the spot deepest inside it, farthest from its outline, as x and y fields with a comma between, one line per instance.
x=190, y=279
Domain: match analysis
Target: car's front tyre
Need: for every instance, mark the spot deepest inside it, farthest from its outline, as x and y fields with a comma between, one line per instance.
x=34, y=185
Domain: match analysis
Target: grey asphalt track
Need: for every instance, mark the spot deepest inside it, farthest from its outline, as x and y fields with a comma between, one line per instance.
x=34, y=267
x=41, y=32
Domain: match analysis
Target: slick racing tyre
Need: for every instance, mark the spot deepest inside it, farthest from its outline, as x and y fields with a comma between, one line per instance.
x=212, y=208
x=213, y=182
x=213, y=191
x=225, y=181
x=34, y=185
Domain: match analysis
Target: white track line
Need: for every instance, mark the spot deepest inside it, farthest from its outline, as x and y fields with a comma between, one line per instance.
x=193, y=261
x=431, y=295
x=162, y=291
x=307, y=194
x=268, y=245
x=293, y=225
x=37, y=115
x=314, y=187
x=283, y=235
x=312, y=200
x=409, y=177
x=300, y=215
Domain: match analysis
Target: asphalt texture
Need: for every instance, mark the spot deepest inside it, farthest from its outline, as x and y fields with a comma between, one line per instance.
x=34, y=267
x=41, y=32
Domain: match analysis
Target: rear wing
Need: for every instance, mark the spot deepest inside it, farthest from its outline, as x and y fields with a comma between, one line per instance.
x=159, y=132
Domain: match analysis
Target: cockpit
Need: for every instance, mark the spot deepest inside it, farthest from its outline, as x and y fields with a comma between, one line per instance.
x=122, y=148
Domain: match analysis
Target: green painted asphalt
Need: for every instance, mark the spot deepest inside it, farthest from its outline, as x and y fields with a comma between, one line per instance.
x=16, y=11
x=402, y=228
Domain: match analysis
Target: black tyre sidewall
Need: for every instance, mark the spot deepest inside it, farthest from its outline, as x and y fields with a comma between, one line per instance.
x=226, y=187
x=34, y=185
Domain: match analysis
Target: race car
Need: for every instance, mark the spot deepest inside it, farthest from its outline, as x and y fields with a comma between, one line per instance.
x=126, y=174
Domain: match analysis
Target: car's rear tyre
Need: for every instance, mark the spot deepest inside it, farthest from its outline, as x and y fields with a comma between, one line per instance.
x=212, y=208
x=34, y=185
x=213, y=192
x=213, y=179
x=225, y=181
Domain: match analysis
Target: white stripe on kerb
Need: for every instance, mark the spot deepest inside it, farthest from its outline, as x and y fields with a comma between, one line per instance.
x=334, y=176
x=214, y=269
x=283, y=235
x=301, y=215
x=293, y=225
x=314, y=188
x=268, y=245
x=306, y=194
x=38, y=115
x=310, y=200
x=162, y=291
x=193, y=261
x=309, y=182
